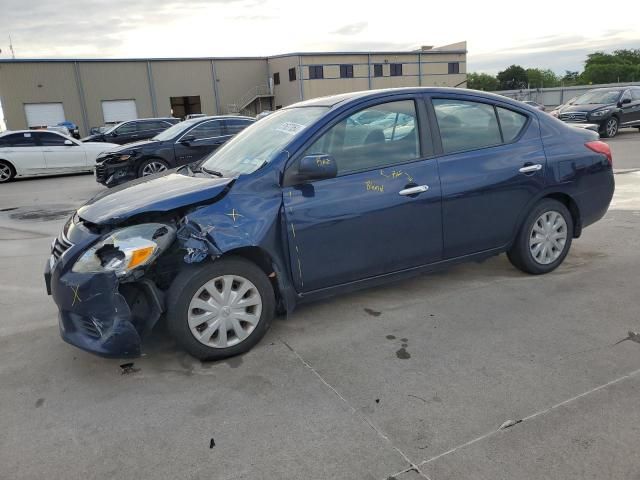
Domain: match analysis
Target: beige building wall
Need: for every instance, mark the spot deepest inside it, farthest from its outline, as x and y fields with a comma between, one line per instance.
x=181, y=79
x=287, y=92
x=22, y=83
x=115, y=81
x=236, y=77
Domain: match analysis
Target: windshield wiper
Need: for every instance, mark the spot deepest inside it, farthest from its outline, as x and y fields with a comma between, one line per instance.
x=211, y=172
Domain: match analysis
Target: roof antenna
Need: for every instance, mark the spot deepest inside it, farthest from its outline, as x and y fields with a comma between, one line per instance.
x=13, y=54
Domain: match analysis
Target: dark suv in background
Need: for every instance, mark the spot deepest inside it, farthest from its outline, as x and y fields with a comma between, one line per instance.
x=133, y=130
x=609, y=108
x=183, y=143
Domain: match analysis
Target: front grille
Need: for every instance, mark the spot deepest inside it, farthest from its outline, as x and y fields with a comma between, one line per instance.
x=573, y=116
x=101, y=172
x=60, y=245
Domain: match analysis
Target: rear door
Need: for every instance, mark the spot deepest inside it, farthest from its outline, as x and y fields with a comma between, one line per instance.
x=201, y=140
x=631, y=110
x=366, y=222
x=491, y=165
x=23, y=152
x=60, y=157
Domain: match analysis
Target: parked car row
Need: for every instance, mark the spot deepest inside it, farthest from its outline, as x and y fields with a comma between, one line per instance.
x=49, y=152
x=322, y=197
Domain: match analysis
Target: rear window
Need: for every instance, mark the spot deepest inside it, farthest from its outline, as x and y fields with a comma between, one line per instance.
x=511, y=123
x=466, y=125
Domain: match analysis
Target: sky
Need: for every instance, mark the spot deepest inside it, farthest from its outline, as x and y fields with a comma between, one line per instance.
x=555, y=34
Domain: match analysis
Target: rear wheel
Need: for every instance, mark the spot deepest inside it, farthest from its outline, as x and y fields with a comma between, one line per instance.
x=7, y=172
x=152, y=166
x=544, y=238
x=610, y=128
x=220, y=309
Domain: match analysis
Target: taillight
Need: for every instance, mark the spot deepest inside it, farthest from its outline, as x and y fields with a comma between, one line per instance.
x=600, y=147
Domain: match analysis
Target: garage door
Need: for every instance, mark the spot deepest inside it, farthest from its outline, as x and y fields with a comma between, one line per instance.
x=119, y=110
x=42, y=114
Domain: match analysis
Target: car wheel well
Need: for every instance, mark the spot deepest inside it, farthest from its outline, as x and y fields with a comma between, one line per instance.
x=265, y=262
x=572, y=206
x=11, y=165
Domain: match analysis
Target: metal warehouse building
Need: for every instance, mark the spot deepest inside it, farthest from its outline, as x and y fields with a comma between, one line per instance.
x=35, y=92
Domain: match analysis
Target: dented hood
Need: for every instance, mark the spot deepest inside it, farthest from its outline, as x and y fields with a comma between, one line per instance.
x=161, y=194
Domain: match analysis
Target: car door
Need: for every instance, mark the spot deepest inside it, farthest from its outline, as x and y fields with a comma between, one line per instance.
x=199, y=141
x=61, y=154
x=491, y=165
x=381, y=213
x=631, y=110
x=24, y=153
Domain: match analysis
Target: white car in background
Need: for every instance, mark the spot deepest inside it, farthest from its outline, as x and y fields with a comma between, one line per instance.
x=29, y=153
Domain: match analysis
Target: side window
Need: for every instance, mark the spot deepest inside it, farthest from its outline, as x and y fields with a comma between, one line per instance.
x=276, y=78
x=236, y=125
x=626, y=95
x=154, y=125
x=316, y=71
x=454, y=67
x=396, y=69
x=48, y=139
x=292, y=74
x=466, y=125
x=635, y=94
x=375, y=137
x=127, y=128
x=377, y=70
x=19, y=140
x=207, y=130
x=346, y=71
x=511, y=123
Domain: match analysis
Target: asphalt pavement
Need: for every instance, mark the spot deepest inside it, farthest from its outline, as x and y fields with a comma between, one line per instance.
x=410, y=380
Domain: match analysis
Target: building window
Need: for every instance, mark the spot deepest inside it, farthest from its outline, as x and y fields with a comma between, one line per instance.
x=276, y=78
x=316, y=71
x=346, y=71
x=454, y=67
x=292, y=74
x=396, y=69
x=377, y=70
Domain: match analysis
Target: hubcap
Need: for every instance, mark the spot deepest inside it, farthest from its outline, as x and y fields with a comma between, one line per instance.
x=224, y=311
x=5, y=173
x=548, y=237
x=153, y=167
x=612, y=127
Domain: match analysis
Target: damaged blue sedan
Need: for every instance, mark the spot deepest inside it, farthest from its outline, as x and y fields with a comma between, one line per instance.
x=323, y=197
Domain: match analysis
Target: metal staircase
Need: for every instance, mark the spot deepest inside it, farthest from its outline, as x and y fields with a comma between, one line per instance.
x=259, y=91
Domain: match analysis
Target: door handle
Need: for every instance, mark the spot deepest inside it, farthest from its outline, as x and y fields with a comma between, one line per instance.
x=414, y=190
x=531, y=168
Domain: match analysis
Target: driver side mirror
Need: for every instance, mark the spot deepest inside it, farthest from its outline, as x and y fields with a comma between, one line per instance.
x=187, y=140
x=317, y=167
x=624, y=101
x=69, y=143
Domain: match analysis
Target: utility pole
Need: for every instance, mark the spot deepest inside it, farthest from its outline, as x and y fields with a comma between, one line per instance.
x=13, y=54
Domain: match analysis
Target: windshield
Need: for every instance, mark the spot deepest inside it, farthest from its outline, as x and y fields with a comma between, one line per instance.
x=598, y=96
x=174, y=130
x=261, y=142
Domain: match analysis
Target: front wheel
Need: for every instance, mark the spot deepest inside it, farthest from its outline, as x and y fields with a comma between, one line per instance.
x=544, y=238
x=220, y=309
x=610, y=128
x=152, y=166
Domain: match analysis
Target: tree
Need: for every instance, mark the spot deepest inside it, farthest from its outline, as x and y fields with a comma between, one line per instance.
x=571, y=78
x=539, y=78
x=482, y=81
x=513, y=78
x=619, y=66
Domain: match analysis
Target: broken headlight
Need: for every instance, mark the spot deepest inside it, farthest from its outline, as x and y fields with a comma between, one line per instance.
x=126, y=249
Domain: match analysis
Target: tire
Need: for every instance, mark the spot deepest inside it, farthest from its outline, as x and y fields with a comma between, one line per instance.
x=610, y=128
x=7, y=172
x=192, y=286
x=521, y=254
x=152, y=166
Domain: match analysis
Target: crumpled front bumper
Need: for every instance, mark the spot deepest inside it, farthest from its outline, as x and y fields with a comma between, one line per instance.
x=111, y=175
x=92, y=314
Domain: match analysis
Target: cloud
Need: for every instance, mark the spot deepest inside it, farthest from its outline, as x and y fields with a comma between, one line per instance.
x=351, y=29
